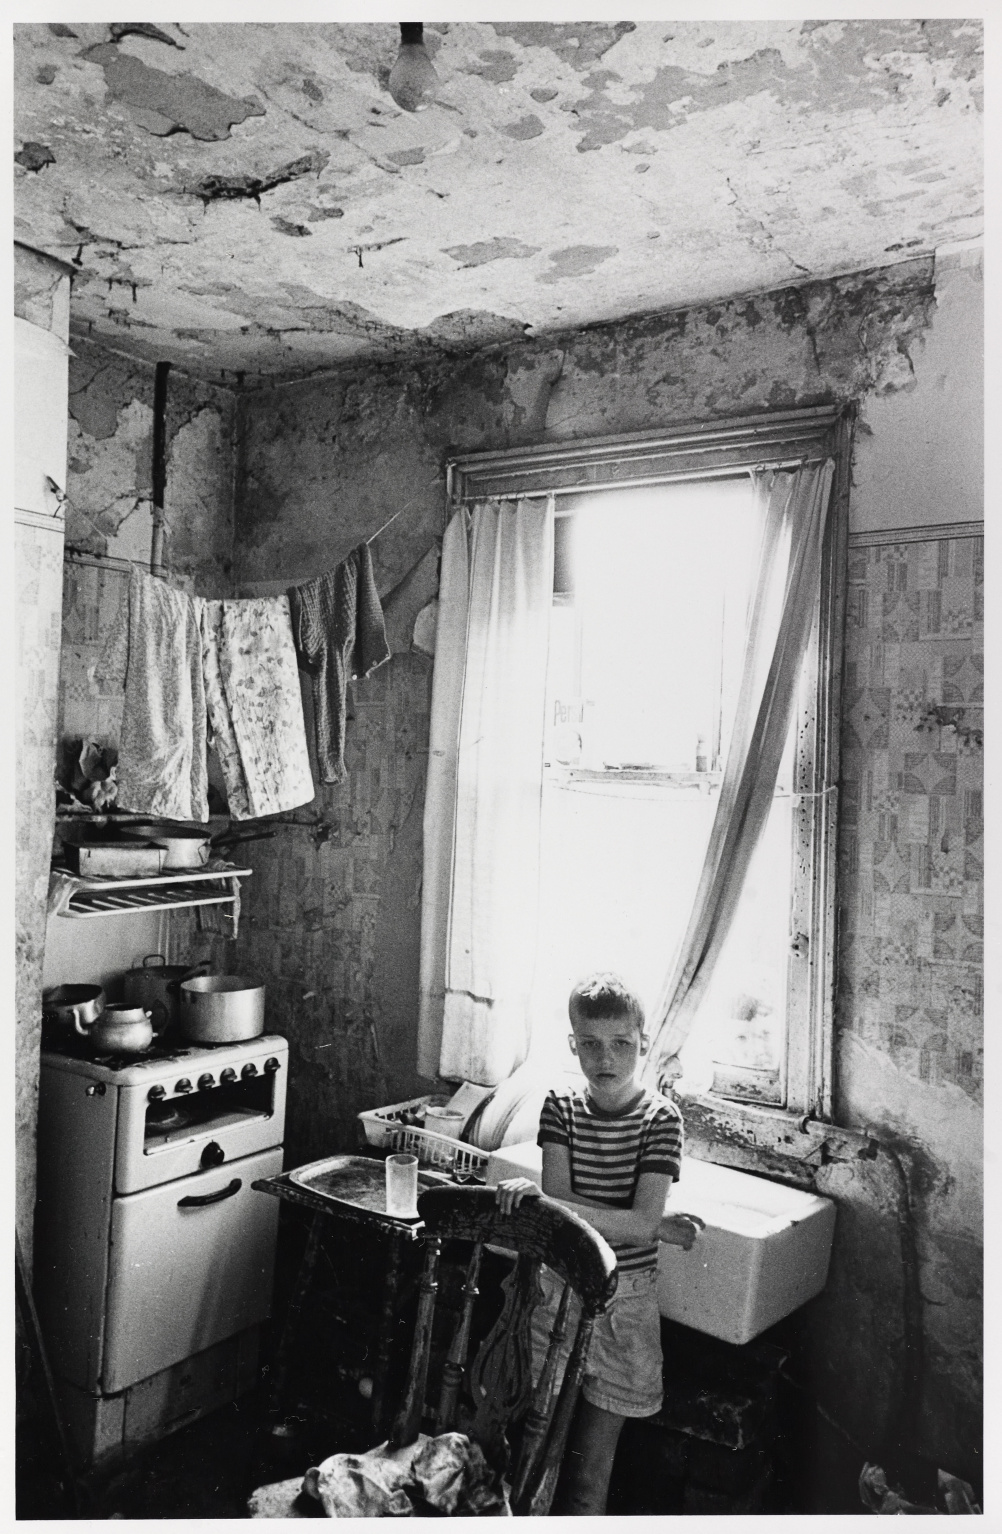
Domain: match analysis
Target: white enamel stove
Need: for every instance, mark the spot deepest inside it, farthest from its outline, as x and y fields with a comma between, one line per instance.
x=154, y=1253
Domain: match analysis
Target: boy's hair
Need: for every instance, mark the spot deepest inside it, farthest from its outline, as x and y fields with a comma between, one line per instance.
x=604, y=995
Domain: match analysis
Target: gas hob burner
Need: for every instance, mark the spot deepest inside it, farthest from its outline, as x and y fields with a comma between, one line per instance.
x=208, y=1047
x=78, y=1048
x=166, y=1062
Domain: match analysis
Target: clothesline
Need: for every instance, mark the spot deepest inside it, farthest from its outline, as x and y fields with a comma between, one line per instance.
x=116, y=562
x=198, y=672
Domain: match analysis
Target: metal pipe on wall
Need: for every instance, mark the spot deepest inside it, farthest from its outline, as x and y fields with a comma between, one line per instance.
x=159, y=466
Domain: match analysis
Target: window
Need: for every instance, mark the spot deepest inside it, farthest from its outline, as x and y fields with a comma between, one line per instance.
x=646, y=645
x=655, y=553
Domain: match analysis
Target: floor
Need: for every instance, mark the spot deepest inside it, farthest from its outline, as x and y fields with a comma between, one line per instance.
x=208, y=1470
x=205, y=1470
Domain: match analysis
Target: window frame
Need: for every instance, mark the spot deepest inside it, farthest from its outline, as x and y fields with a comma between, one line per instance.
x=719, y=449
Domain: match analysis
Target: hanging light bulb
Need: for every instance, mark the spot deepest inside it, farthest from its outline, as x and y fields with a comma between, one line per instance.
x=413, y=81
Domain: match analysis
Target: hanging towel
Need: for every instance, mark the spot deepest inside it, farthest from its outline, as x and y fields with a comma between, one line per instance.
x=155, y=647
x=221, y=736
x=338, y=626
x=254, y=705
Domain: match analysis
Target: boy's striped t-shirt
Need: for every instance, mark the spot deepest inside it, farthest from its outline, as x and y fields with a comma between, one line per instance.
x=609, y=1151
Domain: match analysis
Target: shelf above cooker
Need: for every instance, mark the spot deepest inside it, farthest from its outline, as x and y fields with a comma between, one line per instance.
x=110, y=897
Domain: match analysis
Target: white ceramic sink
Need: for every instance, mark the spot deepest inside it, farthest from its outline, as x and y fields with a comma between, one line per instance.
x=764, y=1251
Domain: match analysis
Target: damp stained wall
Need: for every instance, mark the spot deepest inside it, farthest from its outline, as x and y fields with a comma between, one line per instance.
x=41, y=308
x=109, y=513
x=109, y=510
x=332, y=913
x=909, y=1021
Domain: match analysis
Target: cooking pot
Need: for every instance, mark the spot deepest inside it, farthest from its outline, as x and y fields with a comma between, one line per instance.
x=221, y=1009
x=155, y=985
x=122, y=1030
x=73, y=1006
x=186, y=847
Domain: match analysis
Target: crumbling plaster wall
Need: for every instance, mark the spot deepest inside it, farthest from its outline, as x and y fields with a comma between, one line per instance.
x=910, y=1007
x=41, y=309
x=109, y=508
x=333, y=909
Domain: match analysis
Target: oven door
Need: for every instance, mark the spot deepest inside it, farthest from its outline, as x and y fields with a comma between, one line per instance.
x=191, y=1263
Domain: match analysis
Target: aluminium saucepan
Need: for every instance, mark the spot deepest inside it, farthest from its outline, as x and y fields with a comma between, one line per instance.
x=155, y=985
x=76, y=1007
x=185, y=846
x=221, y=1009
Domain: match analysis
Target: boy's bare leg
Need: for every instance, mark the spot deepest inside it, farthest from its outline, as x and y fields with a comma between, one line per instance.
x=588, y=1461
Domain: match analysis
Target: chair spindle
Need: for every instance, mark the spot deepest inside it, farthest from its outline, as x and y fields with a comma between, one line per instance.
x=538, y=1417
x=408, y=1423
x=455, y=1363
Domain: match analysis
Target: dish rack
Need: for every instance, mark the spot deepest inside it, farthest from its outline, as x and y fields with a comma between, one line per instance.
x=384, y=1130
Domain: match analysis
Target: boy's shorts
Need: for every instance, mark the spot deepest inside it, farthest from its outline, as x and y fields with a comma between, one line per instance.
x=623, y=1368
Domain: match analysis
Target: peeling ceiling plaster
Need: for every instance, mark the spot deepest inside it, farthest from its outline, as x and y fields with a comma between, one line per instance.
x=247, y=198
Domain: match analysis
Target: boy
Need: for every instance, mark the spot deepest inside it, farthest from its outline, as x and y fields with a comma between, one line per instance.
x=610, y=1153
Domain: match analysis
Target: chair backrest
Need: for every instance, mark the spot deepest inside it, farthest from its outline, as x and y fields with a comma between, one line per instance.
x=498, y=1378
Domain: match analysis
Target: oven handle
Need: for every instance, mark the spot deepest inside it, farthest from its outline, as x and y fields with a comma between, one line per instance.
x=199, y=1200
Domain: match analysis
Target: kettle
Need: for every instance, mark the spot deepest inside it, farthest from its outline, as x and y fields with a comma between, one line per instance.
x=122, y=1030
x=155, y=986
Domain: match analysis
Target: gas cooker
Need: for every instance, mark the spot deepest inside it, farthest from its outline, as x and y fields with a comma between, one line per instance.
x=154, y=1245
x=178, y=1108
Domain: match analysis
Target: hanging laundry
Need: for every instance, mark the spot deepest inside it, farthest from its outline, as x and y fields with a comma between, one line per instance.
x=155, y=649
x=338, y=626
x=254, y=705
x=221, y=735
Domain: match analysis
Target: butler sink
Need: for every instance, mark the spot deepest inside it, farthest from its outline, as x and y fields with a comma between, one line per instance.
x=764, y=1251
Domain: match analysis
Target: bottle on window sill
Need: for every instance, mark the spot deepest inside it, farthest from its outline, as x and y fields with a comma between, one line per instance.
x=701, y=764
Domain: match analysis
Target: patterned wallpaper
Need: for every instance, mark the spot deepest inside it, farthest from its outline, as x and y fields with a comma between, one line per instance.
x=329, y=918
x=911, y=850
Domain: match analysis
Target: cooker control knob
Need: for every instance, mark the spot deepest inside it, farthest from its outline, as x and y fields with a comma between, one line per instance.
x=250, y=1069
x=155, y=1093
x=205, y=1082
x=270, y=1066
x=228, y=1075
x=184, y=1085
x=213, y=1155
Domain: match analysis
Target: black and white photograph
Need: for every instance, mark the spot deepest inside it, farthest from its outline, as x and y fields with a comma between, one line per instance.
x=499, y=693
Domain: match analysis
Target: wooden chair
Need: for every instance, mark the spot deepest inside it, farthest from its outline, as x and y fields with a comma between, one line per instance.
x=489, y=1393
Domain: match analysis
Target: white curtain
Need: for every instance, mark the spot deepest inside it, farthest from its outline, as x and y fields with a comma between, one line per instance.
x=482, y=802
x=793, y=507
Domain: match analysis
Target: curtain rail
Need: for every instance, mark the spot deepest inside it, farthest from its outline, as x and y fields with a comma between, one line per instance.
x=680, y=476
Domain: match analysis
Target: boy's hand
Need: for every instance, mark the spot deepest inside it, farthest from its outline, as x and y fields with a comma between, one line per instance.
x=681, y=1230
x=513, y=1190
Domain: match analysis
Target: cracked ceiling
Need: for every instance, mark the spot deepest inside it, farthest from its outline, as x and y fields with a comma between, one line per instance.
x=248, y=198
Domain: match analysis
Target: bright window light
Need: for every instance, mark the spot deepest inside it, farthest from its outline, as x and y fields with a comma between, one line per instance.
x=646, y=650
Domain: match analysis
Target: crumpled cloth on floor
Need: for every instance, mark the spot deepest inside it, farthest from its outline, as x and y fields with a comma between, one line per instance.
x=340, y=635
x=254, y=705
x=445, y=1474
x=155, y=650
